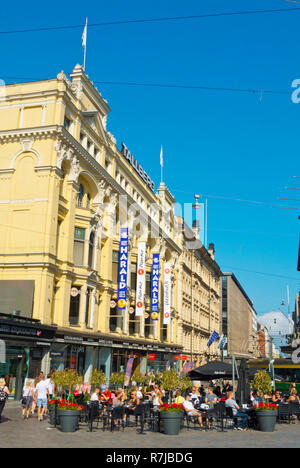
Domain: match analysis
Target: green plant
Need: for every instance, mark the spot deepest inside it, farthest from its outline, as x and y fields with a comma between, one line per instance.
x=98, y=378
x=170, y=381
x=262, y=383
x=117, y=379
x=184, y=383
x=138, y=377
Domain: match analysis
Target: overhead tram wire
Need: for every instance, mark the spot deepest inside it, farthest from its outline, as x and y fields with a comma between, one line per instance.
x=162, y=85
x=152, y=20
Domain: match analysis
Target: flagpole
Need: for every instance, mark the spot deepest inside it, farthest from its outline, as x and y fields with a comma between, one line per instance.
x=161, y=163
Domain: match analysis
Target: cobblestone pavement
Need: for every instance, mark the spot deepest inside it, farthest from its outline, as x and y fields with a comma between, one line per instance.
x=17, y=433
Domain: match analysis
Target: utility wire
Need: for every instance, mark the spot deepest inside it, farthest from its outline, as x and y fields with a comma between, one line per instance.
x=167, y=85
x=152, y=20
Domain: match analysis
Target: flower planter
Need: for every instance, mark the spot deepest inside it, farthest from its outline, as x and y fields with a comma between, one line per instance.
x=266, y=420
x=52, y=416
x=68, y=420
x=171, y=422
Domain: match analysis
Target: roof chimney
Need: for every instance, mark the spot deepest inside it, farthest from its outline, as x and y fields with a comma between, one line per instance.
x=196, y=228
x=211, y=250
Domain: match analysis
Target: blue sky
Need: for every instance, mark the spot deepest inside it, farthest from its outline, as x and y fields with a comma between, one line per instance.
x=225, y=145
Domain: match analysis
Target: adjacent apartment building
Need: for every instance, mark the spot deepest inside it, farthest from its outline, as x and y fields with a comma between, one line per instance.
x=239, y=319
x=199, y=290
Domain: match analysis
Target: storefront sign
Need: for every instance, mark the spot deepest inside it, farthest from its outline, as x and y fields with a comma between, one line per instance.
x=105, y=342
x=73, y=338
x=176, y=357
x=155, y=287
x=56, y=354
x=11, y=327
x=151, y=357
x=183, y=357
x=127, y=155
x=167, y=294
x=123, y=269
x=140, y=281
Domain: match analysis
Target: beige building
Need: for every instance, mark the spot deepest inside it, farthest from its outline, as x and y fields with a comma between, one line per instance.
x=238, y=319
x=199, y=298
x=66, y=189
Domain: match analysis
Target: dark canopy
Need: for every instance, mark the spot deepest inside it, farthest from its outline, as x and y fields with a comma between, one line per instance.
x=212, y=370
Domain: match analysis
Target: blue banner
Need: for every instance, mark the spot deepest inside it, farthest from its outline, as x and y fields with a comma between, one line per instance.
x=155, y=287
x=123, y=269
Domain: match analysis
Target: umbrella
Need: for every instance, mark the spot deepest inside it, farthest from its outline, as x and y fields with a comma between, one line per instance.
x=212, y=370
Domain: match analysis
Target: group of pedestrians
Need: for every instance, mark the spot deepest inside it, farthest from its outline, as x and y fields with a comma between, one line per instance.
x=35, y=395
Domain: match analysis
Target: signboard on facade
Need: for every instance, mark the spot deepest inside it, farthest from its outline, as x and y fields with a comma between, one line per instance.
x=138, y=168
x=167, y=294
x=140, y=281
x=123, y=270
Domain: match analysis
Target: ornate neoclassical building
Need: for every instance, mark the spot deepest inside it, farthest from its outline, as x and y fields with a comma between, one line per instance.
x=65, y=192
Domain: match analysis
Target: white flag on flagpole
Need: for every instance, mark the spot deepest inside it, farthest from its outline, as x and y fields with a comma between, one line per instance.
x=84, y=36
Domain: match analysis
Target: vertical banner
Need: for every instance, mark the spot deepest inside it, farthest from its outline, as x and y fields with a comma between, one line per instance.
x=140, y=281
x=167, y=294
x=155, y=287
x=128, y=371
x=188, y=366
x=123, y=269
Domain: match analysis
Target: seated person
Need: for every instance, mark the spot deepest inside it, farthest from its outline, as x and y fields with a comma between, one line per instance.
x=95, y=394
x=211, y=398
x=106, y=396
x=277, y=398
x=179, y=398
x=231, y=403
x=195, y=398
x=190, y=410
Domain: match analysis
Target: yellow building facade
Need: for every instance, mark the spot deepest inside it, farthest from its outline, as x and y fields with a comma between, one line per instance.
x=66, y=190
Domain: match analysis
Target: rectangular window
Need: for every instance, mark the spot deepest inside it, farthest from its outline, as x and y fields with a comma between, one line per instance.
x=74, y=305
x=79, y=239
x=67, y=123
x=133, y=276
x=115, y=266
x=87, y=306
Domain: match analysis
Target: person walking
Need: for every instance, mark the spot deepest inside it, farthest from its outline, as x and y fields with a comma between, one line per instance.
x=4, y=392
x=28, y=395
x=35, y=382
x=41, y=395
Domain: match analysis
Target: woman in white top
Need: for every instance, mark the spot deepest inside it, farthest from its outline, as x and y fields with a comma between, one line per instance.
x=157, y=401
x=4, y=392
x=28, y=395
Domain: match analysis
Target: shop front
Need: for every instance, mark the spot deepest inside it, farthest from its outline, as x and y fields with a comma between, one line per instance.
x=26, y=343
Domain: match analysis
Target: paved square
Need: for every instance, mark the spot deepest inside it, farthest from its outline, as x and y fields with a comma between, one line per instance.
x=17, y=433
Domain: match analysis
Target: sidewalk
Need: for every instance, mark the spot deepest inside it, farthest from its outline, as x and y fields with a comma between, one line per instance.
x=16, y=433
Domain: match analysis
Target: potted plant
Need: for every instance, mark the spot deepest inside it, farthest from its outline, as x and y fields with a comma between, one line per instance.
x=117, y=379
x=266, y=413
x=98, y=378
x=69, y=413
x=138, y=378
x=51, y=409
x=171, y=415
x=67, y=410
